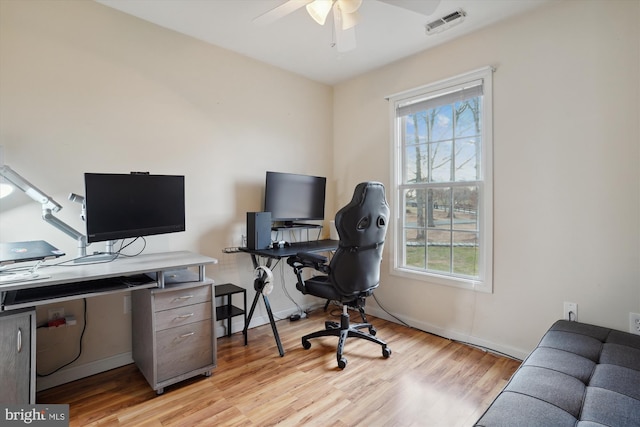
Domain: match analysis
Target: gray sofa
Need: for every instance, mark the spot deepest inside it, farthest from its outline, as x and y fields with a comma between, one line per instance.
x=579, y=375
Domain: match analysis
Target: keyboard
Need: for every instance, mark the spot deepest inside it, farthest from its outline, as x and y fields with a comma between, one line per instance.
x=72, y=289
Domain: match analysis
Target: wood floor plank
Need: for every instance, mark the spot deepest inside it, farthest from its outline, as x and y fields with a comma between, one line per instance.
x=427, y=381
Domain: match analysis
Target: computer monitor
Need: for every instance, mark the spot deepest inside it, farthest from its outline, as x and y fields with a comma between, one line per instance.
x=120, y=206
x=293, y=197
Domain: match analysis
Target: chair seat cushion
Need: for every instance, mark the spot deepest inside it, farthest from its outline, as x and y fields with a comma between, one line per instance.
x=320, y=286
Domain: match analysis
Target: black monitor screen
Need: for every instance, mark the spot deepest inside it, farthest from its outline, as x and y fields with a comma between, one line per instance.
x=120, y=206
x=292, y=197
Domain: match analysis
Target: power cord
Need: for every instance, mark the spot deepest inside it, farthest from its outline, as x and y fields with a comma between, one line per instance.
x=84, y=328
x=301, y=313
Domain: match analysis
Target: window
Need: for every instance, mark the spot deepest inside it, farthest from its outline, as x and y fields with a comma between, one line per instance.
x=442, y=197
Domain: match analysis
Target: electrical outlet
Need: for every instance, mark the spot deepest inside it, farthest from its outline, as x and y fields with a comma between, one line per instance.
x=570, y=311
x=634, y=323
x=56, y=313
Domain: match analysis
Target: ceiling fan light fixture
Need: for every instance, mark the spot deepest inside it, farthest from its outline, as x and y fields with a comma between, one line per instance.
x=319, y=10
x=349, y=6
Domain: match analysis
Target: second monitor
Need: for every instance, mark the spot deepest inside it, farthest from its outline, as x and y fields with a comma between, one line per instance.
x=293, y=197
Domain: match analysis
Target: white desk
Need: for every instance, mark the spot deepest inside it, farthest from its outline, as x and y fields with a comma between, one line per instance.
x=90, y=280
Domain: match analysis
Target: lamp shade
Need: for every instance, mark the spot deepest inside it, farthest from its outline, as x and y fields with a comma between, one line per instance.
x=5, y=189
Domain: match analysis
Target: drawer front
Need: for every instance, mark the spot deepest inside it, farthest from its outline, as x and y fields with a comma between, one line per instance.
x=184, y=349
x=182, y=297
x=183, y=315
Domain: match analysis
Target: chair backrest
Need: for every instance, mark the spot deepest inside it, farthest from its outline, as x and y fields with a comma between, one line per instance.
x=361, y=226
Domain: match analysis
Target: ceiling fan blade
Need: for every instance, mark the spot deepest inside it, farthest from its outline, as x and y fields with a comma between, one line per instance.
x=281, y=11
x=345, y=38
x=423, y=7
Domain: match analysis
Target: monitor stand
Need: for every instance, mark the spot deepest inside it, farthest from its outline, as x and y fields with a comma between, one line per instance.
x=97, y=257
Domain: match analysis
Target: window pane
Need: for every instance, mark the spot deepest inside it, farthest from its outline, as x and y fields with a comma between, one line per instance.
x=466, y=160
x=439, y=251
x=414, y=248
x=440, y=214
x=416, y=166
x=440, y=154
x=411, y=211
x=465, y=253
x=439, y=123
x=468, y=118
x=465, y=208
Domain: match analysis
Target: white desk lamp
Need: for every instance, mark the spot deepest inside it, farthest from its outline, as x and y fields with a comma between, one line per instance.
x=49, y=206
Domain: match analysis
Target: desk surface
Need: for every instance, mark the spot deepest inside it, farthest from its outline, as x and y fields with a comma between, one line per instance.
x=147, y=263
x=294, y=248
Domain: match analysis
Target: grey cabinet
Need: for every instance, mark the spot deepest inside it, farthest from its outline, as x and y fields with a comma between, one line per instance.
x=17, y=357
x=173, y=332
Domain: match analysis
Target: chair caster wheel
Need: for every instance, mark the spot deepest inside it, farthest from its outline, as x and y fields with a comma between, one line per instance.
x=342, y=363
x=373, y=331
x=306, y=344
x=386, y=352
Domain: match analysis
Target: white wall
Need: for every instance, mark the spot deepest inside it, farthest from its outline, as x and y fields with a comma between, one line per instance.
x=85, y=88
x=566, y=170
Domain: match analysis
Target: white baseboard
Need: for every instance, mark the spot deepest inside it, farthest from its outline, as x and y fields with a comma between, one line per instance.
x=82, y=371
x=451, y=334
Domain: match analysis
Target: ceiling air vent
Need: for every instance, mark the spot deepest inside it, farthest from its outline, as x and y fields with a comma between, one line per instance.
x=446, y=22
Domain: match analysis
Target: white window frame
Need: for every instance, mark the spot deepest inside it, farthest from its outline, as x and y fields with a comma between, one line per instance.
x=484, y=282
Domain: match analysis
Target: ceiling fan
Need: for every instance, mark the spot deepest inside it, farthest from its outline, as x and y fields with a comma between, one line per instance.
x=345, y=15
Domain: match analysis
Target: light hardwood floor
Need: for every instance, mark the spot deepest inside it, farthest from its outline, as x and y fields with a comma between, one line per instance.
x=427, y=381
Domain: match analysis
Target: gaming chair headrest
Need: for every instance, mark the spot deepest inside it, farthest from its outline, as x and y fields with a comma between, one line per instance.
x=364, y=220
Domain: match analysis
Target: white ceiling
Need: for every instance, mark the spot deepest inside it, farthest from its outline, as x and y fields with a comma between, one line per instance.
x=296, y=43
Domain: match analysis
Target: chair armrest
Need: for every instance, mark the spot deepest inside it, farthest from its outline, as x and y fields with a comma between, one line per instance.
x=313, y=258
x=303, y=260
x=308, y=260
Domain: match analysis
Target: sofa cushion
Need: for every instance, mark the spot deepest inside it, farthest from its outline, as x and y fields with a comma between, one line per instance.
x=598, y=332
x=562, y=361
x=617, y=378
x=514, y=409
x=610, y=408
x=566, y=392
x=571, y=342
x=616, y=354
x=623, y=338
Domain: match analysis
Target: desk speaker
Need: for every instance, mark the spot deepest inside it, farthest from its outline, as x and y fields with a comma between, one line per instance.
x=258, y=230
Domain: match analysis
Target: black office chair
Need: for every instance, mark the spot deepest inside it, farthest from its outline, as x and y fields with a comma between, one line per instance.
x=354, y=271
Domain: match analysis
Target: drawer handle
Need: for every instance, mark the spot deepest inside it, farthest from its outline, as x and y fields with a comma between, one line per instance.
x=184, y=297
x=187, y=335
x=19, y=345
x=185, y=316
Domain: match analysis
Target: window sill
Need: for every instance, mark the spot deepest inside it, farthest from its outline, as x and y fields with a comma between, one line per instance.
x=468, y=284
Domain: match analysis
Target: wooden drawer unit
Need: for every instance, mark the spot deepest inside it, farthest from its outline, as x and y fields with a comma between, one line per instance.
x=183, y=315
x=174, y=332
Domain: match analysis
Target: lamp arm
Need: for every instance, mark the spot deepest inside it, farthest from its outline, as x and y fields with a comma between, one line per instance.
x=48, y=217
x=29, y=189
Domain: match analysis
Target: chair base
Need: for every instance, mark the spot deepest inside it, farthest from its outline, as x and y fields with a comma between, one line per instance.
x=343, y=330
